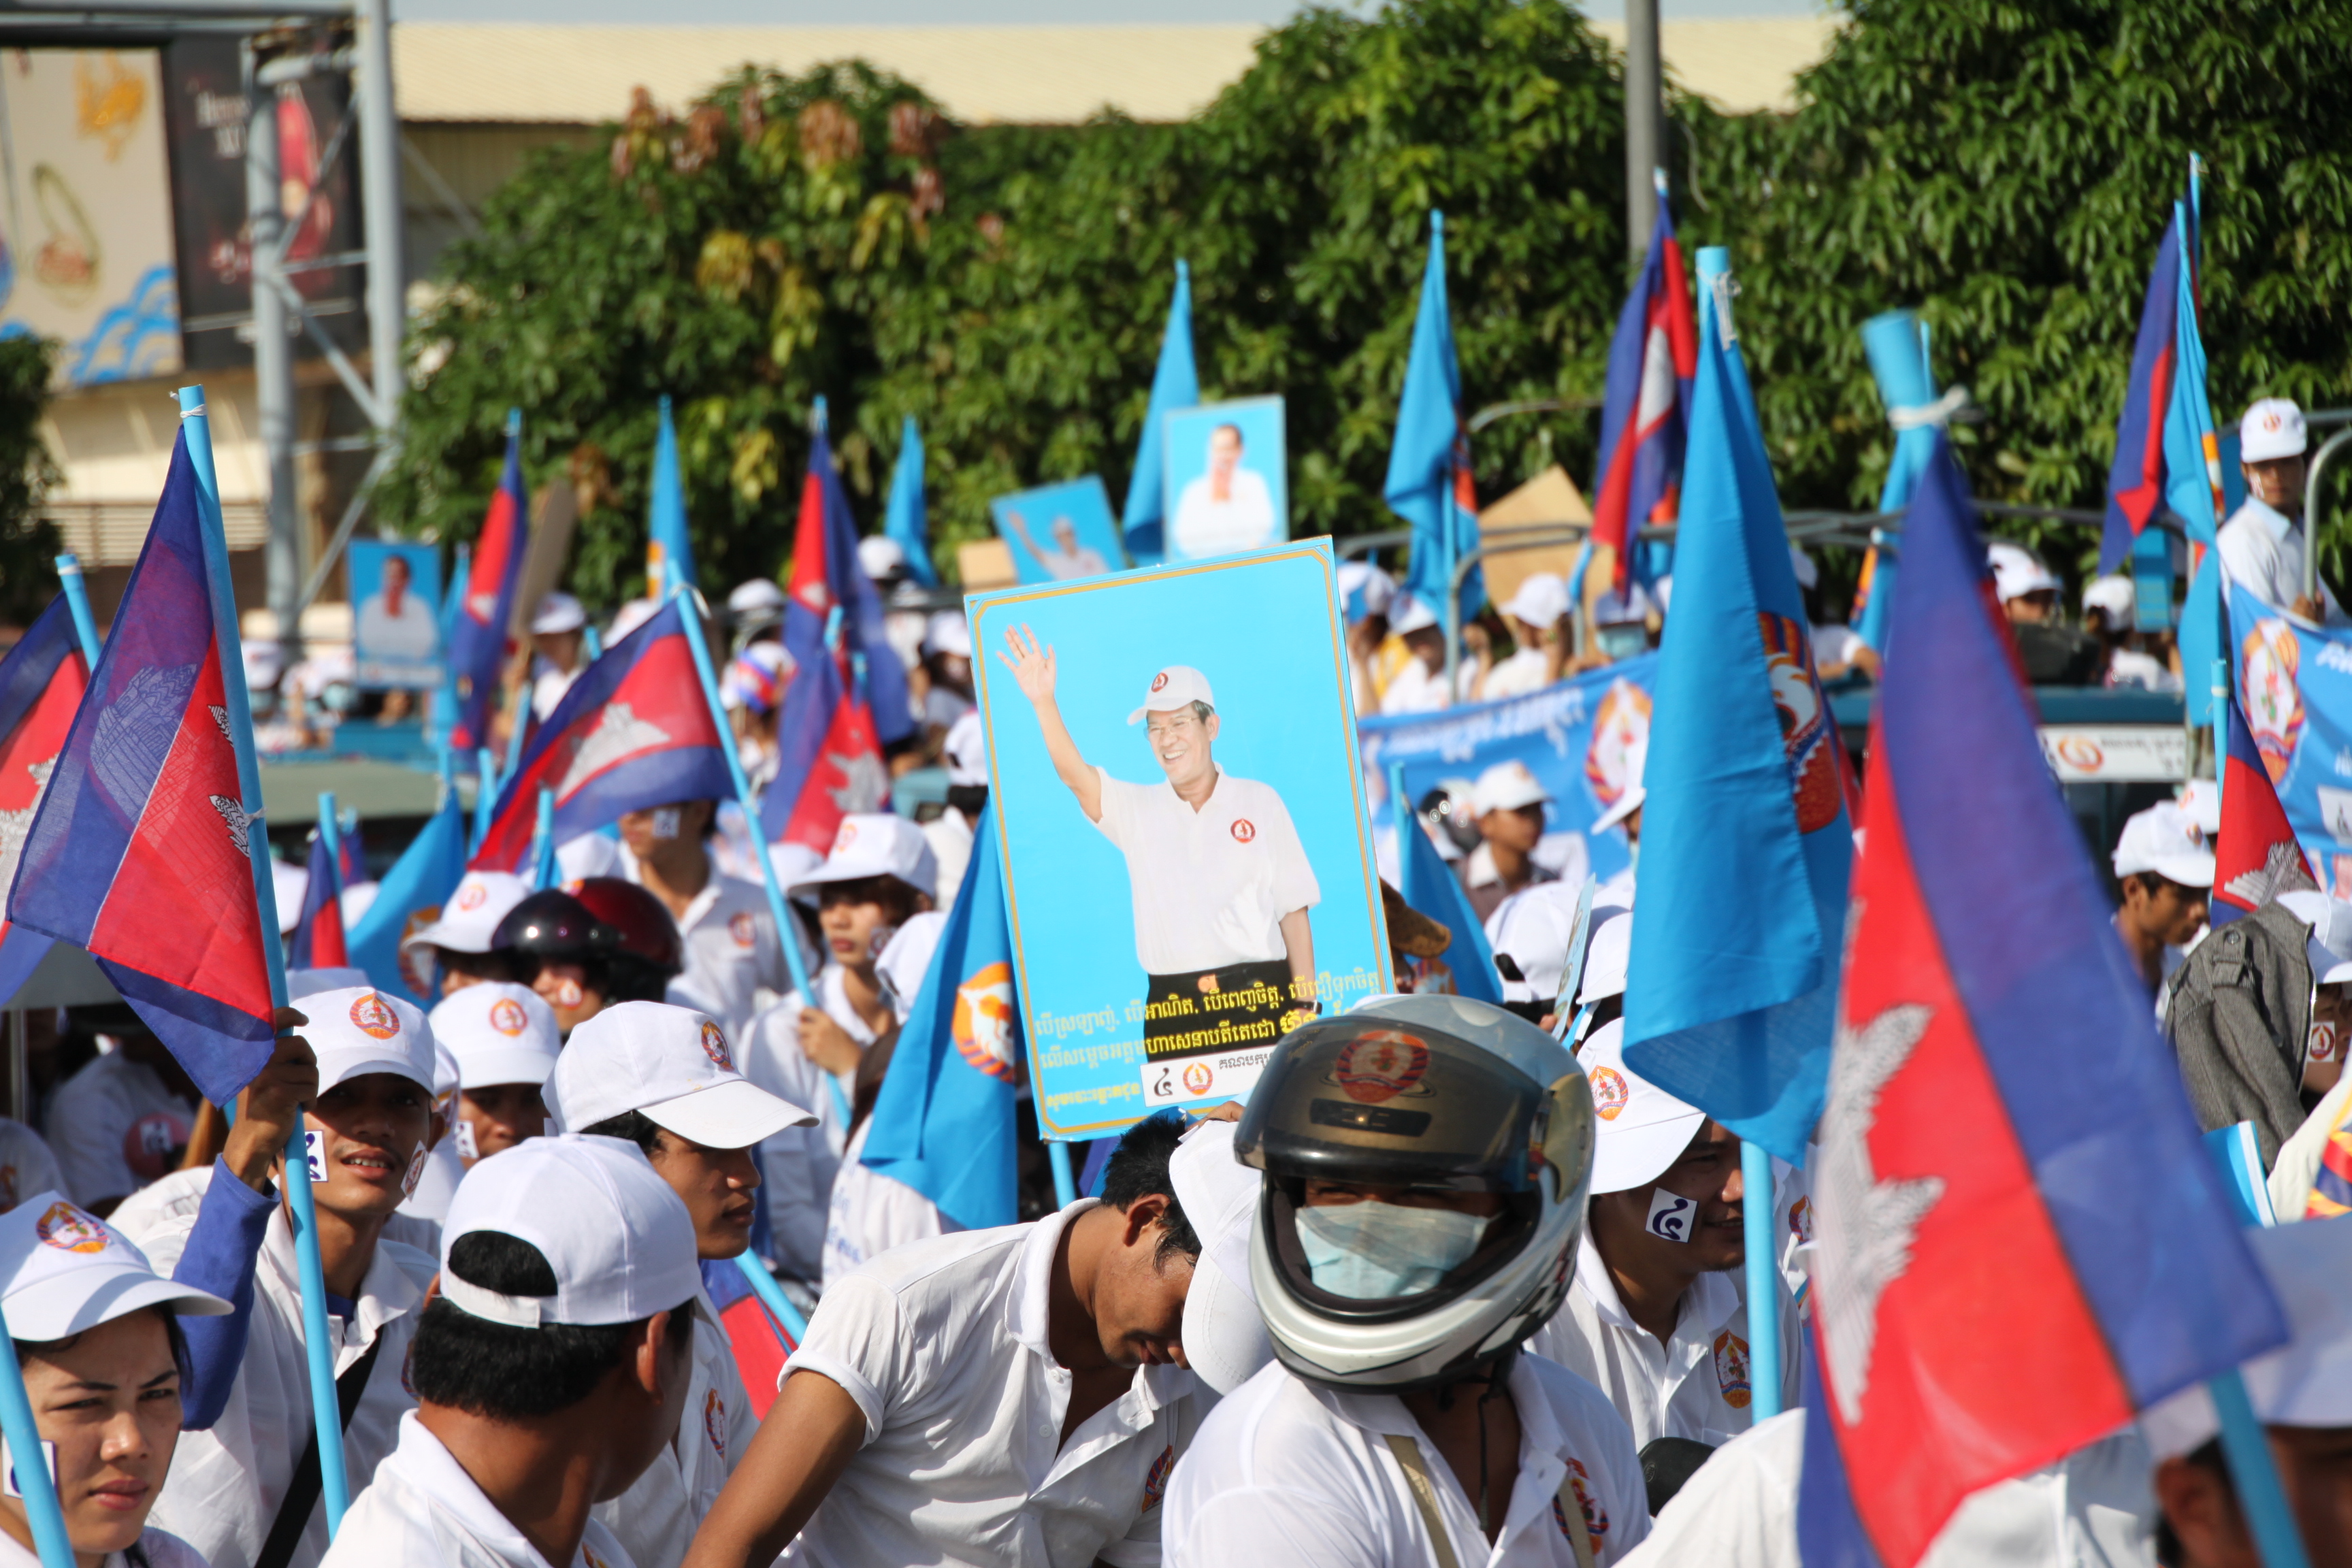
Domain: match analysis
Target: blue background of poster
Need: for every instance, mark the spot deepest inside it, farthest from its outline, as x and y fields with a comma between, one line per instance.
x=1185, y=446
x=378, y=667
x=1263, y=629
x=2294, y=683
x=1086, y=505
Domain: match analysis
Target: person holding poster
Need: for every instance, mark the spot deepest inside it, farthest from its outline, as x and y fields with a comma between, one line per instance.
x=1221, y=884
x=1227, y=508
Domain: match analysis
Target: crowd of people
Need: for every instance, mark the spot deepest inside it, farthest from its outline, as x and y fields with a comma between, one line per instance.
x=1457, y=1285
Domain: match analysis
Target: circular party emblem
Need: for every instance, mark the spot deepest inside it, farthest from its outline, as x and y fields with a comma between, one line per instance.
x=714, y=1045
x=1608, y=1092
x=471, y=895
x=982, y=1026
x=1243, y=830
x=1380, y=1065
x=1198, y=1077
x=1159, y=680
x=69, y=1229
x=507, y=1018
x=743, y=927
x=374, y=1016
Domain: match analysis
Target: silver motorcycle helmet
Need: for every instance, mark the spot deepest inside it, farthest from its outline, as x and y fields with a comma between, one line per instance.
x=1431, y=1094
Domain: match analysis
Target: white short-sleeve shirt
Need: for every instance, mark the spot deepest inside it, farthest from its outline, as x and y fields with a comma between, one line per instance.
x=731, y=952
x=656, y=1519
x=943, y=1346
x=1285, y=1472
x=114, y=1127
x=872, y=1212
x=1525, y=671
x=161, y=1548
x=2262, y=552
x=422, y=1508
x=1204, y=525
x=1211, y=886
x=797, y=1165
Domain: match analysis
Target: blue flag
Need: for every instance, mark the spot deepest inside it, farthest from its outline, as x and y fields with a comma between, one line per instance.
x=670, y=554
x=906, y=520
x=1175, y=384
x=1429, y=465
x=943, y=1120
x=1745, y=847
x=1429, y=885
x=418, y=884
x=1896, y=346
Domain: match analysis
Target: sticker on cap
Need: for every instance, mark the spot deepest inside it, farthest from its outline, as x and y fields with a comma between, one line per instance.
x=1382, y=1065
x=69, y=1229
x=1610, y=1092
x=568, y=993
x=846, y=836
x=507, y=1018
x=373, y=1016
x=1671, y=1215
x=714, y=1045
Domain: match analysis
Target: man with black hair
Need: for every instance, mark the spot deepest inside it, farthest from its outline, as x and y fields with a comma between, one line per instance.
x=2164, y=867
x=551, y=1370
x=1008, y=1397
x=731, y=951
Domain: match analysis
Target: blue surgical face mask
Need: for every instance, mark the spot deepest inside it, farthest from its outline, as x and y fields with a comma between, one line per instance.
x=1373, y=1251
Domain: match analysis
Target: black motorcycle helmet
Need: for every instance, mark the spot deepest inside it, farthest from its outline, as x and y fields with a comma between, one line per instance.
x=554, y=927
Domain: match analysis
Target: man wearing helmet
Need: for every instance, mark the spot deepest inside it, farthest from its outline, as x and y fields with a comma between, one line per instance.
x=555, y=946
x=1427, y=1161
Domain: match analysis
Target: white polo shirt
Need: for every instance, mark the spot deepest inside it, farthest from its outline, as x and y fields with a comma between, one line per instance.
x=1696, y=1386
x=1211, y=886
x=161, y=1548
x=423, y=1508
x=872, y=1212
x=1286, y=1472
x=1416, y=689
x=731, y=954
x=2262, y=552
x=225, y=1483
x=942, y=1345
x=1525, y=671
x=797, y=1165
x=656, y=1519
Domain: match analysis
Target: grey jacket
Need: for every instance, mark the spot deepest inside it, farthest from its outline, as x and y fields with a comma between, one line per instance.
x=2239, y=1010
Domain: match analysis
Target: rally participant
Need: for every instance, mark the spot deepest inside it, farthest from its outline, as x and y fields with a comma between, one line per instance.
x=504, y=1038
x=458, y=946
x=1008, y=1397
x=560, y=649
x=2053, y=653
x=1657, y=1312
x=1838, y=648
x=651, y=953
x=26, y=1165
x=123, y=1120
x=730, y=937
x=2240, y=1013
x=1374, y=656
x=755, y=607
x=1410, y=1236
x=98, y=1334
x=946, y=661
x=1538, y=615
x=2165, y=866
x=809, y=1051
x=661, y=1078
x=429, y=1199
x=555, y=946
x=1220, y=888
x=965, y=752
x=1625, y=812
x=551, y=1370
x=753, y=691
x=1418, y=686
x=1508, y=803
x=2261, y=545
x=243, y=1477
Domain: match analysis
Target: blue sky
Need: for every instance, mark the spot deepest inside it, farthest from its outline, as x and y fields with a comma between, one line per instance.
x=932, y=12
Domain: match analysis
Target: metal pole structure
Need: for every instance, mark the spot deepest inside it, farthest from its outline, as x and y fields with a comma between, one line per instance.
x=1645, y=127
x=2311, y=512
x=387, y=281
x=273, y=355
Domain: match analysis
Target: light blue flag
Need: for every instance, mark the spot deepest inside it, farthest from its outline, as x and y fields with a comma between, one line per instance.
x=2193, y=465
x=1896, y=344
x=1430, y=887
x=1175, y=384
x=906, y=520
x=670, y=554
x=1746, y=848
x=1429, y=465
x=943, y=1120
x=419, y=882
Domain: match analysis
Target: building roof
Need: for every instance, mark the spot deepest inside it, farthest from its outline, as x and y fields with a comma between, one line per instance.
x=558, y=73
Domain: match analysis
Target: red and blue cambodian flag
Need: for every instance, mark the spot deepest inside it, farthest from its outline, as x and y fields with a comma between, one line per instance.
x=1653, y=361
x=2020, y=1240
x=634, y=733
x=319, y=928
x=41, y=683
x=827, y=576
x=760, y=1344
x=2255, y=855
x=478, y=639
x=141, y=850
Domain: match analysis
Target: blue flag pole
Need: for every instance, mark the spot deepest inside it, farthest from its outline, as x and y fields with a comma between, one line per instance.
x=486, y=793
x=772, y=1296
x=787, y=934
x=78, y=601
x=1763, y=1282
x=29, y=1462
x=334, y=1475
x=330, y=834
x=1066, y=1186
x=2248, y=1450
x=542, y=843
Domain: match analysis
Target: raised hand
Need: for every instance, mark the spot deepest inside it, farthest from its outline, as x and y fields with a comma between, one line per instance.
x=1031, y=665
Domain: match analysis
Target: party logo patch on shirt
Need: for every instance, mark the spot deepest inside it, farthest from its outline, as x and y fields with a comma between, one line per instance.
x=1731, y=1369
x=1594, y=1518
x=1155, y=1483
x=714, y=1422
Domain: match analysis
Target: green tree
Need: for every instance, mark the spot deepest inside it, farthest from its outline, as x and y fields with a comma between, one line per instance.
x=28, y=543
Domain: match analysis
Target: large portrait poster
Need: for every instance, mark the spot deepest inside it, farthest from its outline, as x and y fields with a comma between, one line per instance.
x=1057, y=534
x=395, y=624
x=1226, y=477
x=1187, y=866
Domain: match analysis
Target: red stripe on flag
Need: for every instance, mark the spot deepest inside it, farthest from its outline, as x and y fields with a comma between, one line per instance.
x=759, y=1348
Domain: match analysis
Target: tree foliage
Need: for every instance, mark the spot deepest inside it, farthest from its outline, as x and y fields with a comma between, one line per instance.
x=28, y=543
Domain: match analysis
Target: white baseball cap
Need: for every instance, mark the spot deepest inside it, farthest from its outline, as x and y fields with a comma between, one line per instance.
x=673, y=1065
x=1364, y=590
x=759, y=594
x=2017, y=572
x=1178, y=686
x=558, y=613
x=498, y=1033
x=1606, y=957
x=2201, y=799
x=1632, y=796
x=359, y=1030
x=1410, y=613
x=67, y=1271
x=1542, y=599
x=1224, y=1338
x=877, y=844
x=2273, y=427
x=1536, y=926
x=907, y=958
x=301, y=982
x=1642, y=1129
x=446, y=1080
x=967, y=751
x=2115, y=597
x=2166, y=840
x=617, y=1236
x=1808, y=570
x=471, y=916
x=880, y=555
x=1506, y=786
x=2307, y=1381
x=948, y=632
x=2329, y=946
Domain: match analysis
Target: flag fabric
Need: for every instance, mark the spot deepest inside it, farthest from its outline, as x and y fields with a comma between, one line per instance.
x=906, y=521
x=2202, y=482
x=1428, y=482
x=141, y=850
x=632, y=732
x=1987, y=1296
x=669, y=553
x=827, y=576
x=757, y=1342
x=2285, y=816
x=2136, y=478
x=1746, y=846
x=41, y=682
x=410, y=897
x=1429, y=885
x=1644, y=405
x=477, y=641
x=1175, y=384
x=319, y=930
x=943, y=1119
x=1896, y=346
x=829, y=762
